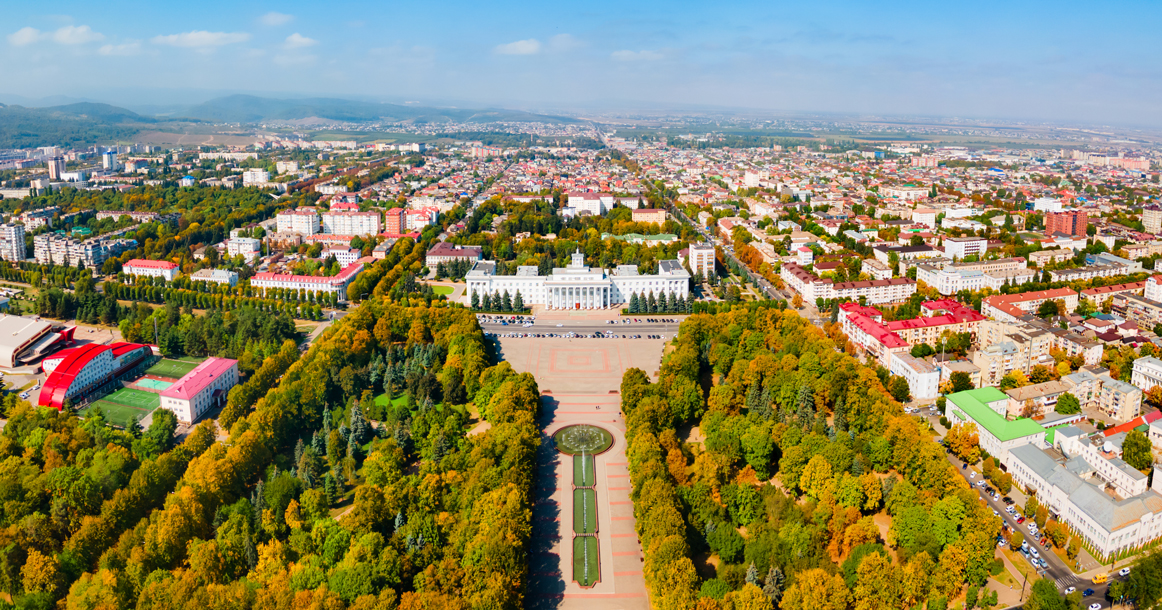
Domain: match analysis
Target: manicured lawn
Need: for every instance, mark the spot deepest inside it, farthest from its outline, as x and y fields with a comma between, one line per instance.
x=126, y=405
x=382, y=400
x=583, y=471
x=442, y=290
x=586, y=567
x=584, y=511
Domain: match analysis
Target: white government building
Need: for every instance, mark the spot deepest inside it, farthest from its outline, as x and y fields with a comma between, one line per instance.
x=578, y=286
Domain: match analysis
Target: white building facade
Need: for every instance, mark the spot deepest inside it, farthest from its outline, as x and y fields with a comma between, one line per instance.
x=578, y=286
x=303, y=222
x=351, y=223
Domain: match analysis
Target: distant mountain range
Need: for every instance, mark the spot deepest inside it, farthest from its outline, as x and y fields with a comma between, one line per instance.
x=86, y=123
x=70, y=125
x=252, y=109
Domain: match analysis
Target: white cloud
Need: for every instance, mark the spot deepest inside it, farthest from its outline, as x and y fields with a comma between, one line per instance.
x=202, y=39
x=24, y=36
x=274, y=18
x=532, y=46
x=72, y=34
x=564, y=42
x=636, y=55
x=298, y=41
x=128, y=48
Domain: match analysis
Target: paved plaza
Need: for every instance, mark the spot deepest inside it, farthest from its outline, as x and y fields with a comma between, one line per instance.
x=580, y=380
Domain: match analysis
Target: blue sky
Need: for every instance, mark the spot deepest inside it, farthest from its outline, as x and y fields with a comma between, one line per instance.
x=1082, y=61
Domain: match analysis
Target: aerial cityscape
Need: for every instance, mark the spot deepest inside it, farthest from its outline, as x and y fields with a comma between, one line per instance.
x=663, y=307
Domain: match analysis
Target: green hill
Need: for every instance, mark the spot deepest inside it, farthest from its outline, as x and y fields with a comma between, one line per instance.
x=79, y=124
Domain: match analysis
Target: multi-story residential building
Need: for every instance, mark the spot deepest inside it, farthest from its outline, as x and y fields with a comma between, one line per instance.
x=1153, y=288
x=925, y=216
x=246, y=247
x=395, y=221
x=304, y=221
x=701, y=258
x=1086, y=273
x=56, y=168
x=1118, y=399
x=344, y=255
x=255, y=177
x=649, y=215
x=1012, y=306
x=148, y=268
x=1071, y=223
x=1006, y=347
x=922, y=377
x=1042, y=397
x=1098, y=296
x=351, y=223
x=1042, y=257
x=595, y=204
x=959, y=247
x=215, y=276
x=51, y=248
x=12, y=243
x=286, y=167
x=444, y=252
x=1142, y=311
x=811, y=287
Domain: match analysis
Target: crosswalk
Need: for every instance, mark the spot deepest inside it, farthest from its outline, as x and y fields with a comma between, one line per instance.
x=1067, y=581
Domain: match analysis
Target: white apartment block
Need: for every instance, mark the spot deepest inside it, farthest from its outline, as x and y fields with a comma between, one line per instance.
x=701, y=259
x=302, y=221
x=925, y=216
x=12, y=243
x=246, y=247
x=811, y=287
x=215, y=276
x=594, y=203
x=286, y=167
x=344, y=255
x=351, y=223
x=960, y=247
x=255, y=176
x=923, y=378
x=1153, y=290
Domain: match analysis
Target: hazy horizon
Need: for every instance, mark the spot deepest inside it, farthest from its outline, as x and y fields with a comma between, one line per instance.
x=1064, y=63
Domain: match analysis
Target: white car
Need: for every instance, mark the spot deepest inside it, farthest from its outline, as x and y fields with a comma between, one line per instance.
x=972, y=475
x=1069, y=590
x=1036, y=554
x=1095, y=606
x=1124, y=572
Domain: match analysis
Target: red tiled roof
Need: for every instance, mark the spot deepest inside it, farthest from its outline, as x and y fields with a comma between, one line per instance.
x=1143, y=420
x=147, y=264
x=59, y=381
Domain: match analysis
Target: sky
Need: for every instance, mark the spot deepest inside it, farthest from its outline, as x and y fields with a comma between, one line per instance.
x=1065, y=61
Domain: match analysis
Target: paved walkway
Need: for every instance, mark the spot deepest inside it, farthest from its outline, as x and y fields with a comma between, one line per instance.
x=551, y=583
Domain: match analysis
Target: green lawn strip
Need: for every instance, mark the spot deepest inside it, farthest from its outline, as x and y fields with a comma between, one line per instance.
x=583, y=471
x=584, y=511
x=585, y=553
x=445, y=290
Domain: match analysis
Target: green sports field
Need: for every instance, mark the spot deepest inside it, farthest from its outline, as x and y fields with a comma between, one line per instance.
x=174, y=369
x=126, y=406
x=586, y=567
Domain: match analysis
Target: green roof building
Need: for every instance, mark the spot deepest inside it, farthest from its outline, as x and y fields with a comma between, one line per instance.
x=986, y=408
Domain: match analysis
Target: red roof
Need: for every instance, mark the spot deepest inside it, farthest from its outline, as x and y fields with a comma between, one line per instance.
x=1143, y=420
x=193, y=382
x=59, y=381
x=888, y=338
x=146, y=264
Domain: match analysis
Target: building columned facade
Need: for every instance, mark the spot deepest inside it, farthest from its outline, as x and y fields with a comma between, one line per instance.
x=579, y=286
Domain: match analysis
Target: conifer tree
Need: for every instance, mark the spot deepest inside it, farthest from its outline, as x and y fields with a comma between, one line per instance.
x=518, y=302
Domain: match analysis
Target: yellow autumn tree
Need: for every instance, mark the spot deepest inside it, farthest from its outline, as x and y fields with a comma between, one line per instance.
x=815, y=589
x=816, y=476
x=964, y=442
x=40, y=572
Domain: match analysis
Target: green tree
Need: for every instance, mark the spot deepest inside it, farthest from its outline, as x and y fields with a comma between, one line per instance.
x=1136, y=450
x=1067, y=404
x=961, y=381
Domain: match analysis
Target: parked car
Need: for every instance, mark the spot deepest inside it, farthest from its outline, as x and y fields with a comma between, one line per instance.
x=1007, y=500
x=1124, y=572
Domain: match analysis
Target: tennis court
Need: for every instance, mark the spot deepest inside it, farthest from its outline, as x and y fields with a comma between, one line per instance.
x=126, y=406
x=174, y=369
x=153, y=384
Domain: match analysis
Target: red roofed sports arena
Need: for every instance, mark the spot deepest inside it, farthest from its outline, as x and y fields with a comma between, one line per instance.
x=75, y=373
